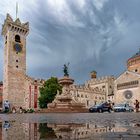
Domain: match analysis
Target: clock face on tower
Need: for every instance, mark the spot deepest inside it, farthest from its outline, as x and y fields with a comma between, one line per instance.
x=17, y=47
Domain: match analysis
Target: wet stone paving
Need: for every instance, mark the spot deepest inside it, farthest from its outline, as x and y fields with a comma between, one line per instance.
x=70, y=126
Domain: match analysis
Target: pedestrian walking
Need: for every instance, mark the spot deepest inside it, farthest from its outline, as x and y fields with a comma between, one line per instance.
x=13, y=109
x=20, y=110
x=137, y=105
x=109, y=106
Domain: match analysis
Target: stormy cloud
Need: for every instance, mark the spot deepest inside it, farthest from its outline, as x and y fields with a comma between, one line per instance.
x=90, y=34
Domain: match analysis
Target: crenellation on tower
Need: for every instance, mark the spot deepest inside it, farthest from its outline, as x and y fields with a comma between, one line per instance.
x=15, y=26
x=101, y=79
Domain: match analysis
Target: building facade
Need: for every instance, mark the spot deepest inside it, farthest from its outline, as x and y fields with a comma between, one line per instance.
x=104, y=84
x=127, y=85
x=94, y=91
x=87, y=95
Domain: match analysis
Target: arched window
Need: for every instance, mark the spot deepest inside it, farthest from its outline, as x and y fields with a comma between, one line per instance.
x=17, y=38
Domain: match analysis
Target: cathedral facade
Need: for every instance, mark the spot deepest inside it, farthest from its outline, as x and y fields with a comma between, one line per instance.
x=127, y=85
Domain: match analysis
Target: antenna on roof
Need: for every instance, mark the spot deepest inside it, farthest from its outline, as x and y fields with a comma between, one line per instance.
x=16, y=9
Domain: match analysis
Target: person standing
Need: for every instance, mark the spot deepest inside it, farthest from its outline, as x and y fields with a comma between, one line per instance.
x=20, y=110
x=6, y=106
x=137, y=106
x=109, y=106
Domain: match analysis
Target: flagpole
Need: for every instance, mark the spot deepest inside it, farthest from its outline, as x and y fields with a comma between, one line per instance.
x=16, y=9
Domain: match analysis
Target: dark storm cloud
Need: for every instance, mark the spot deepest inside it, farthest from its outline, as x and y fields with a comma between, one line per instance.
x=90, y=34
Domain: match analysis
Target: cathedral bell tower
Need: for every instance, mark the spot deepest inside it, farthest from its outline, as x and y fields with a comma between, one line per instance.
x=14, y=71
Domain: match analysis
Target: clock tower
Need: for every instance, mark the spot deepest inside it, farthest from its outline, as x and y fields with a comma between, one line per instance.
x=14, y=76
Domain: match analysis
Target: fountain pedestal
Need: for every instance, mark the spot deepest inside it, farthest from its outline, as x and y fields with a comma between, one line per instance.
x=64, y=102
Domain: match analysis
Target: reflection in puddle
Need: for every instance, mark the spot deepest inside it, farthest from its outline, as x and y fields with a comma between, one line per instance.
x=46, y=132
x=6, y=125
x=69, y=131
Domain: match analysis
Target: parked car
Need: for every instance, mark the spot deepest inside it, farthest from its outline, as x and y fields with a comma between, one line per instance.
x=100, y=108
x=123, y=108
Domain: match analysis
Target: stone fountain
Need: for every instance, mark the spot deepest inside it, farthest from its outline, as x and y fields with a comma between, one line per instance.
x=65, y=102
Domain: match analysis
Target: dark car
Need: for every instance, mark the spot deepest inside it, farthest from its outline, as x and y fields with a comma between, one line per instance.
x=101, y=108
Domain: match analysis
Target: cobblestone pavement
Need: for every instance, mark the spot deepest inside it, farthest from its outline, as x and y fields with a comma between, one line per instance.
x=85, y=126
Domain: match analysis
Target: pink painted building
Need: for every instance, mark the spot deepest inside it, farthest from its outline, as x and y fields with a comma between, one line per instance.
x=1, y=93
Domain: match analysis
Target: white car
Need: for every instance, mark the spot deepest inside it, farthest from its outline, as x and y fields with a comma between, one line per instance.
x=123, y=108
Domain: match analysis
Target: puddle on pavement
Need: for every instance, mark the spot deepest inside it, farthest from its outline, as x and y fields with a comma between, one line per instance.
x=12, y=130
